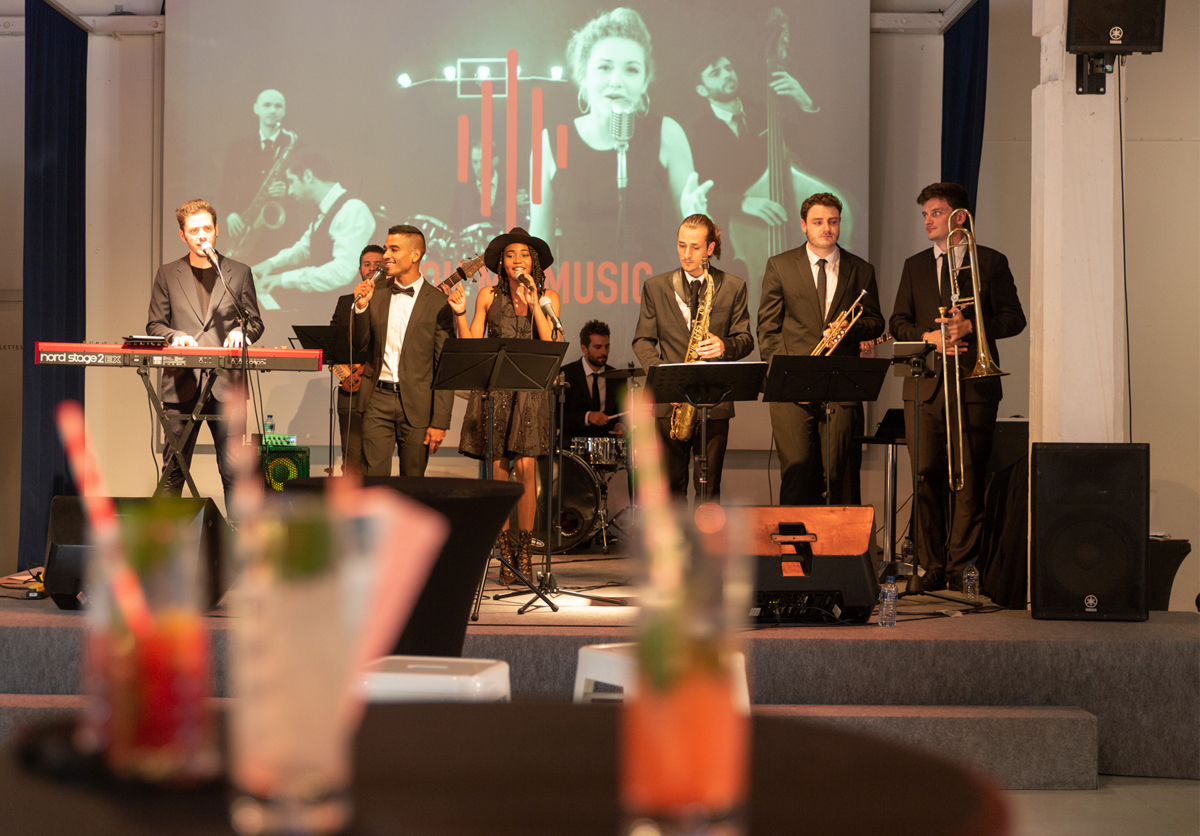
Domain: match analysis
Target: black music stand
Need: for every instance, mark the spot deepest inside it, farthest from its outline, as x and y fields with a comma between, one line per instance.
x=334, y=344
x=825, y=380
x=494, y=364
x=705, y=385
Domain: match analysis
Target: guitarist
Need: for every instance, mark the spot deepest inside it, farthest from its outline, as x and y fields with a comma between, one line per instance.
x=351, y=376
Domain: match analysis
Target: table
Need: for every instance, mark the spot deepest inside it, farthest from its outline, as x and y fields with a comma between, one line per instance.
x=530, y=768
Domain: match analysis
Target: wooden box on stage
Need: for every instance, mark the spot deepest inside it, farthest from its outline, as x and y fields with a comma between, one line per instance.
x=814, y=563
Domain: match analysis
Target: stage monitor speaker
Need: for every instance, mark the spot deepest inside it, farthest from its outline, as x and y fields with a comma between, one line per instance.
x=68, y=548
x=1089, y=531
x=814, y=563
x=282, y=464
x=1122, y=27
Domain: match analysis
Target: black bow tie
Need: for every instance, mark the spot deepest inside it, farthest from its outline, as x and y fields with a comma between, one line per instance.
x=407, y=291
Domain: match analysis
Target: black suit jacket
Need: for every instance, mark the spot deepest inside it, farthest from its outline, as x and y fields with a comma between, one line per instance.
x=428, y=329
x=791, y=318
x=175, y=311
x=917, y=301
x=662, y=333
x=578, y=402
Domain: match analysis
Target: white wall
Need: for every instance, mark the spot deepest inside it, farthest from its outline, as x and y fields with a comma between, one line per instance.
x=12, y=232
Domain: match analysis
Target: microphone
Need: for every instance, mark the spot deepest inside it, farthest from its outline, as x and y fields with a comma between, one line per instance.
x=620, y=127
x=373, y=279
x=548, y=309
x=208, y=250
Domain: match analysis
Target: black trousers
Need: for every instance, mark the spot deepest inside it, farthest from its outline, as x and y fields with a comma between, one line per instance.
x=680, y=455
x=222, y=436
x=351, y=430
x=386, y=428
x=800, y=431
x=951, y=522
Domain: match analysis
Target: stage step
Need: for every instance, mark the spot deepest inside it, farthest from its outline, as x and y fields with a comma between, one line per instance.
x=17, y=710
x=1021, y=747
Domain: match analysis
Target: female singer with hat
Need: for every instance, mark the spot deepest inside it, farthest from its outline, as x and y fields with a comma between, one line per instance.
x=520, y=422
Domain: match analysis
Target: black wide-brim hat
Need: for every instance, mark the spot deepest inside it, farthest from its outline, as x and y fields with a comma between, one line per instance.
x=496, y=247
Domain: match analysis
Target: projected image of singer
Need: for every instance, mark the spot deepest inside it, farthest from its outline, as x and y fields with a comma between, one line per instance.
x=264, y=219
x=730, y=144
x=804, y=290
x=925, y=286
x=670, y=304
x=327, y=251
x=399, y=330
x=518, y=306
x=190, y=306
x=612, y=64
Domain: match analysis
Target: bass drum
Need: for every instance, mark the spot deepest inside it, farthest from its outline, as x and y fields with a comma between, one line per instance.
x=580, y=502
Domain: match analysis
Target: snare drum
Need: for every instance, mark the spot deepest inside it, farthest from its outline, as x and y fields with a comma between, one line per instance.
x=603, y=452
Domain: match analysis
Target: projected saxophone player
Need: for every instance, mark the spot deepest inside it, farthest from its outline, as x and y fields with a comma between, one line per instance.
x=803, y=291
x=254, y=186
x=328, y=251
x=670, y=304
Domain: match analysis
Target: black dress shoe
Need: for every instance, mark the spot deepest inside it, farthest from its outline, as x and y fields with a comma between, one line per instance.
x=954, y=582
x=933, y=582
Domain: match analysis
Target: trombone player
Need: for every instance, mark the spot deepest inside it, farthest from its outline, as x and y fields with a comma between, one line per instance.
x=809, y=297
x=951, y=519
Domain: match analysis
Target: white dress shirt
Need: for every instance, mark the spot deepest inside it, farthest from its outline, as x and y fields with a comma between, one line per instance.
x=351, y=230
x=831, y=272
x=398, y=317
x=685, y=305
x=960, y=257
x=589, y=372
x=728, y=117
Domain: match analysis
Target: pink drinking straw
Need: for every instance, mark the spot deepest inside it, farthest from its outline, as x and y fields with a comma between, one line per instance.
x=102, y=516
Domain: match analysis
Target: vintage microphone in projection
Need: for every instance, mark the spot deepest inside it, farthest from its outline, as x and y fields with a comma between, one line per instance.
x=620, y=127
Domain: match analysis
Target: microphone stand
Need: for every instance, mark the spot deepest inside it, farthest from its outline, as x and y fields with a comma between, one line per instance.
x=243, y=319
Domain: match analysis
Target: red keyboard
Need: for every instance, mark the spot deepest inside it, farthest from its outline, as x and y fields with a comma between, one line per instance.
x=198, y=357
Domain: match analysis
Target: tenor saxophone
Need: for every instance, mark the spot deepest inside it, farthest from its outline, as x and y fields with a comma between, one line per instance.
x=683, y=417
x=263, y=211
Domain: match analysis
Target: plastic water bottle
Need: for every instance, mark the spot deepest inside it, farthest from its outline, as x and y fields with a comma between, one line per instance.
x=887, y=603
x=269, y=424
x=971, y=581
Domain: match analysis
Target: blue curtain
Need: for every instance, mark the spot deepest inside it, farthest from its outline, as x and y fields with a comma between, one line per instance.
x=54, y=281
x=964, y=98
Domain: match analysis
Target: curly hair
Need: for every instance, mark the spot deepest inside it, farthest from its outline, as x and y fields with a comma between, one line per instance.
x=194, y=207
x=619, y=23
x=539, y=277
x=819, y=199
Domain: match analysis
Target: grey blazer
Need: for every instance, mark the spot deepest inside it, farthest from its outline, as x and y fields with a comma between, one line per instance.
x=662, y=333
x=428, y=329
x=175, y=311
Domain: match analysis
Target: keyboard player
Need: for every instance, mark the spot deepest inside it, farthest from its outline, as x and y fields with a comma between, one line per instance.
x=189, y=306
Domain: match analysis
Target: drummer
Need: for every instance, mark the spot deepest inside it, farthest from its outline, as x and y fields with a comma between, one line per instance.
x=592, y=400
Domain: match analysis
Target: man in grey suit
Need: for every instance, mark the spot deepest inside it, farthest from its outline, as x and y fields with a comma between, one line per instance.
x=670, y=302
x=803, y=291
x=399, y=330
x=190, y=306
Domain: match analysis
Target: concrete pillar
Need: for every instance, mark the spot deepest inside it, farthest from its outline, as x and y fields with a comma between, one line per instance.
x=1077, y=380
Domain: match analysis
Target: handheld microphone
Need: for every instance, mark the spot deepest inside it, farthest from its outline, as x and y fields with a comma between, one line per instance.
x=374, y=278
x=620, y=127
x=548, y=309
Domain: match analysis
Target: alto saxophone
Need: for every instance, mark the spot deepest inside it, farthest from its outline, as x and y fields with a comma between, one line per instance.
x=683, y=417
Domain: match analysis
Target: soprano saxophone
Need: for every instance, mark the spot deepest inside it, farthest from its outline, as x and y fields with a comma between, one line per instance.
x=683, y=417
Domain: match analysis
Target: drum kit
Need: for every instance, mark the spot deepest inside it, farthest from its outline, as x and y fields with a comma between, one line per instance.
x=583, y=470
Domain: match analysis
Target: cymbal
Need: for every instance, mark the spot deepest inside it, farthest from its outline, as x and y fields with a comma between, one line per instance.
x=622, y=374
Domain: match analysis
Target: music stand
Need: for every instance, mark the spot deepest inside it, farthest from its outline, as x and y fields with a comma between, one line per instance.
x=334, y=344
x=494, y=364
x=824, y=380
x=705, y=385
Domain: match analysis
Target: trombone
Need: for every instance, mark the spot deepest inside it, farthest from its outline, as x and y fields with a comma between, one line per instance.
x=985, y=364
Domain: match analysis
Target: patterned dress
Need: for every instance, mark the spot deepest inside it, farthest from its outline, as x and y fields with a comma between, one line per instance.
x=521, y=420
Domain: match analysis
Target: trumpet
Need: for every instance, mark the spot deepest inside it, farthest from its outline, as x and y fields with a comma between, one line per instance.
x=839, y=328
x=985, y=364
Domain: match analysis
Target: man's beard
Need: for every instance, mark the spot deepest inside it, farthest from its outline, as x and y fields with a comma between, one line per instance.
x=723, y=97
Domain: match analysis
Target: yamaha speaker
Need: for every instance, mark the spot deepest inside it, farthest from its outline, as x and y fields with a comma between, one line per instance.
x=1121, y=27
x=814, y=563
x=68, y=548
x=1089, y=508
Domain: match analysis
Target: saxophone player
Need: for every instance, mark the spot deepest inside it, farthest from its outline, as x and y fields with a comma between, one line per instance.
x=803, y=291
x=671, y=303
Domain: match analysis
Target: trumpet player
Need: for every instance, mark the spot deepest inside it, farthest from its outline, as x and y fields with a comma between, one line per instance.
x=671, y=304
x=926, y=288
x=805, y=291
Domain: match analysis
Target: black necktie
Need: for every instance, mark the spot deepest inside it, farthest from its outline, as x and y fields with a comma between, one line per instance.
x=944, y=281
x=407, y=291
x=595, y=392
x=739, y=119
x=822, y=286
x=694, y=301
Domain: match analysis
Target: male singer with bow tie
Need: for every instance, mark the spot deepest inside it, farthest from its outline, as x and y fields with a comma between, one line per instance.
x=924, y=288
x=670, y=304
x=803, y=290
x=190, y=306
x=399, y=330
